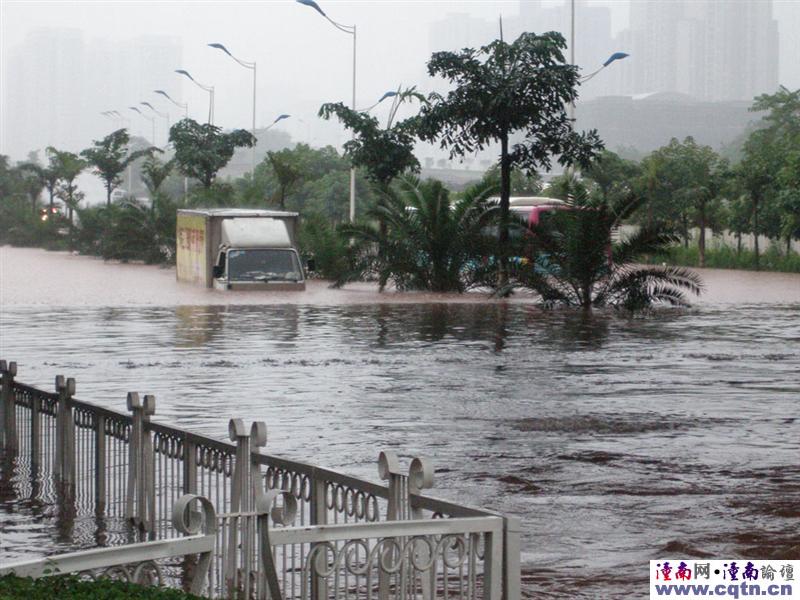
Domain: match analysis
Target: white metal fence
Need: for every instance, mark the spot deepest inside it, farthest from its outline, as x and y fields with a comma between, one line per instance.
x=282, y=528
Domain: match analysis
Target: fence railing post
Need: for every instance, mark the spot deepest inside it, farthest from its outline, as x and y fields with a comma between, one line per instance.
x=189, y=466
x=256, y=488
x=140, y=500
x=389, y=470
x=8, y=412
x=100, y=465
x=512, y=526
x=148, y=490
x=240, y=501
x=318, y=516
x=134, y=440
x=36, y=435
x=493, y=566
x=420, y=477
x=64, y=459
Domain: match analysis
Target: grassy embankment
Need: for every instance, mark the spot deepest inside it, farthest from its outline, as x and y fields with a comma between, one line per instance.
x=728, y=258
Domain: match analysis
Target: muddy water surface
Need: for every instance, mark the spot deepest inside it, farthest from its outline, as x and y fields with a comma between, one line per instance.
x=615, y=439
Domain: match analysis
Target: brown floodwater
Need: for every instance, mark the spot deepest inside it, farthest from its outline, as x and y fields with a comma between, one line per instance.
x=616, y=439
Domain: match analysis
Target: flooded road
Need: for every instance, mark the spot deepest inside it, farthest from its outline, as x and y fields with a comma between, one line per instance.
x=617, y=440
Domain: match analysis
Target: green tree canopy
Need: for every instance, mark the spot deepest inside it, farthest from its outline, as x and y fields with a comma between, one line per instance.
x=430, y=242
x=201, y=150
x=575, y=262
x=110, y=157
x=288, y=174
x=384, y=153
x=504, y=89
x=48, y=175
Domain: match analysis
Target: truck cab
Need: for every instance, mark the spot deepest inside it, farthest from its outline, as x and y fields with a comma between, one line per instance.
x=257, y=254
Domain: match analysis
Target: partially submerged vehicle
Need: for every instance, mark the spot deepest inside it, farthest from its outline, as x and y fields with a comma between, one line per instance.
x=239, y=249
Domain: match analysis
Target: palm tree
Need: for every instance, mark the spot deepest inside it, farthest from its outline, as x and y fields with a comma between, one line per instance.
x=430, y=242
x=49, y=176
x=154, y=173
x=576, y=263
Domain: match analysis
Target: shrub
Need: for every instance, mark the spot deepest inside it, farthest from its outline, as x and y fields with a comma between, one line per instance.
x=726, y=257
x=66, y=587
x=320, y=241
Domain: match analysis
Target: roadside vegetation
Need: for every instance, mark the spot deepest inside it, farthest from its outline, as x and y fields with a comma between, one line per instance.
x=65, y=587
x=419, y=235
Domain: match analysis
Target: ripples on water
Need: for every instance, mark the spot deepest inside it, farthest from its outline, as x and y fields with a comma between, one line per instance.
x=616, y=439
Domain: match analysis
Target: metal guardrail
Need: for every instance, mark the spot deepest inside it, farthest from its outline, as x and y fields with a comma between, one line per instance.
x=332, y=535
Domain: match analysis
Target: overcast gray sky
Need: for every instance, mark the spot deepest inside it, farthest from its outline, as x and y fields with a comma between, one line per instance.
x=302, y=60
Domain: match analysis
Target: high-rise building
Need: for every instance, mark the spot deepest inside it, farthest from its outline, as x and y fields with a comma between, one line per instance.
x=705, y=49
x=56, y=83
x=43, y=92
x=593, y=40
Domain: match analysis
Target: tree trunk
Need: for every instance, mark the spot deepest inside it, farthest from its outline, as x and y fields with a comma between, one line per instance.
x=701, y=244
x=108, y=196
x=755, y=232
x=738, y=243
x=685, y=221
x=52, y=192
x=505, y=195
x=283, y=198
x=71, y=226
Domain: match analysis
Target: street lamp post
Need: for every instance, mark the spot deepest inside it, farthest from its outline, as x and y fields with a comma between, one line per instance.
x=350, y=30
x=611, y=59
x=208, y=88
x=185, y=107
x=164, y=116
x=278, y=118
x=114, y=114
x=252, y=66
x=152, y=123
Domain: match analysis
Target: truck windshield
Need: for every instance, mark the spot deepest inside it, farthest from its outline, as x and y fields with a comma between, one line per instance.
x=264, y=265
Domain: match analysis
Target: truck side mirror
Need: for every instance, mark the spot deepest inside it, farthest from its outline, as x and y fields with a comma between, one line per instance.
x=217, y=271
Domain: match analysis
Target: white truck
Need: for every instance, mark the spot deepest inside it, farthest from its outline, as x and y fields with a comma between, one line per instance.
x=239, y=249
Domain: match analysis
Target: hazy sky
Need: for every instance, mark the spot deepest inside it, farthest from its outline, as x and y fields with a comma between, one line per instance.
x=302, y=60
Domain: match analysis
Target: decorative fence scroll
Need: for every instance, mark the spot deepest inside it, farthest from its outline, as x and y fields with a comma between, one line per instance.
x=284, y=528
x=140, y=563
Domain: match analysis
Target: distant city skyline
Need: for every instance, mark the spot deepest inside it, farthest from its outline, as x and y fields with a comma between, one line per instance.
x=64, y=62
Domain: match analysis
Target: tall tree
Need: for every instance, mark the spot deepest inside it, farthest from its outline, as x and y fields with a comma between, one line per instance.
x=32, y=184
x=69, y=166
x=154, y=173
x=384, y=152
x=48, y=175
x=201, y=150
x=684, y=181
x=771, y=157
x=110, y=157
x=287, y=172
x=504, y=90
